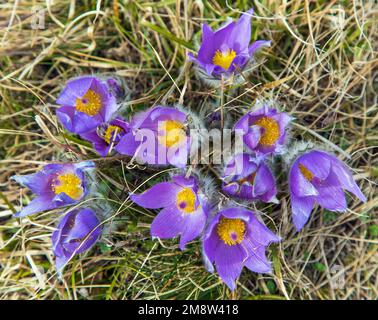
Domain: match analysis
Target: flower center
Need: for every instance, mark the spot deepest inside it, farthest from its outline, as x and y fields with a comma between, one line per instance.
x=224, y=59
x=172, y=132
x=231, y=231
x=250, y=178
x=186, y=200
x=90, y=103
x=111, y=133
x=271, y=130
x=306, y=173
x=68, y=183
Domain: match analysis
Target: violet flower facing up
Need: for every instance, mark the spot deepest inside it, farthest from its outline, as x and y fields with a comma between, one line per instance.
x=247, y=177
x=157, y=136
x=184, y=210
x=77, y=232
x=86, y=102
x=234, y=239
x=318, y=177
x=264, y=130
x=227, y=49
x=105, y=137
x=55, y=185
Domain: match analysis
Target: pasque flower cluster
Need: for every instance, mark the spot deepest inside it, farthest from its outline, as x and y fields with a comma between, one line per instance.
x=232, y=236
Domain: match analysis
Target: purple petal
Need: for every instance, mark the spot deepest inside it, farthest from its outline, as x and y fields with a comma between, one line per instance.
x=345, y=178
x=331, y=198
x=231, y=188
x=77, y=232
x=239, y=37
x=211, y=240
x=241, y=165
x=301, y=209
x=318, y=163
x=298, y=184
x=168, y=223
x=128, y=145
x=258, y=233
x=38, y=204
x=39, y=182
x=264, y=183
x=257, y=261
x=178, y=155
x=98, y=143
x=193, y=225
x=161, y=195
x=85, y=222
x=229, y=263
x=258, y=45
x=77, y=122
x=74, y=89
x=252, y=138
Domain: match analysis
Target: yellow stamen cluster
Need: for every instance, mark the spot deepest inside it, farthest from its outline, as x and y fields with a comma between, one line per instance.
x=172, y=132
x=186, y=200
x=306, y=173
x=90, y=103
x=224, y=59
x=271, y=131
x=111, y=132
x=231, y=231
x=68, y=183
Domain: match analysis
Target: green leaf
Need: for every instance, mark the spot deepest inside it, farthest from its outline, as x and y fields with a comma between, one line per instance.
x=319, y=267
x=373, y=230
x=271, y=286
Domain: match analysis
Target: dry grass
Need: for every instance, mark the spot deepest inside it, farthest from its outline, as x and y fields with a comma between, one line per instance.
x=322, y=67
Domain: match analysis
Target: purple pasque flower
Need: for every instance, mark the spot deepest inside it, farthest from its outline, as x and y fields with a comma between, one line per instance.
x=55, y=185
x=227, y=49
x=157, y=136
x=318, y=177
x=264, y=130
x=248, y=177
x=86, y=102
x=185, y=208
x=77, y=232
x=234, y=239
x=106, y=136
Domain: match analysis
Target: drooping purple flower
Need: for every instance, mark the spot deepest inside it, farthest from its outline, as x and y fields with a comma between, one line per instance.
x=86, y=102
x=234, y=239
x=105, y=137
x=184, y=210
x=157, y=136
x=264, y=130
x=55, y=185
x=318, y=177
x=77, y=232
x=247, y=177
x=227, y=49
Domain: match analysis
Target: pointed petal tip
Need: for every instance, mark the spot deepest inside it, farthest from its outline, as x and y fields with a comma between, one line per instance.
x=274, y=200
x=182, y=246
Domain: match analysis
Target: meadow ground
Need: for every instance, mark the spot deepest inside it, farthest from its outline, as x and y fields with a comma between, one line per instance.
x=321, y=68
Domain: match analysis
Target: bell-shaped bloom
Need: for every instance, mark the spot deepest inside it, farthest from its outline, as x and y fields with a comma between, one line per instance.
x=185, y=208
x=234, y=239
x=158, y=136
x=264, y=130
x=318, y=177
x=105, y=137
x=77, y=232
x=86, y=102
x=247, y=177
x=227, y=49
x=55, y=185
